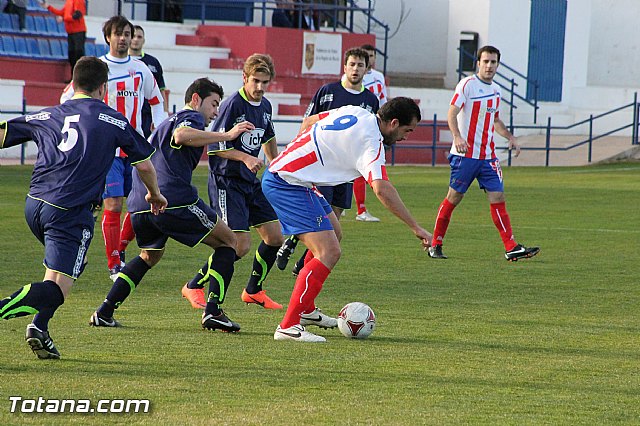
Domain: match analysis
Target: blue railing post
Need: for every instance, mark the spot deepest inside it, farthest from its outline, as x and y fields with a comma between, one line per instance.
x=459, y=64
x=590, y=137
x=434, y=134
x=548, y=142
x=133, y=11
x=393, y=154
x=23, y=148
x=513, y=85
x=535, y=103
x=634, y=130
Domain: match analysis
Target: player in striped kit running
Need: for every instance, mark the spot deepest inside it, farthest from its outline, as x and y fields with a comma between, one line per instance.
x=473, y=118
x=130, y=83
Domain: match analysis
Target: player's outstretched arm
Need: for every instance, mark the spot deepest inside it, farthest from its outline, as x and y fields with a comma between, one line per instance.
x=193, y=137
x=389, y=197
x=147, y=174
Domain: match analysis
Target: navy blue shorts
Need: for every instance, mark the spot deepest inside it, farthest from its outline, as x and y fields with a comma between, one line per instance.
x=187, y=225
x=66, y=234
x=239, y=203
x=338, y=196
x=118, y=183
x=465, y=170
x=300, y=209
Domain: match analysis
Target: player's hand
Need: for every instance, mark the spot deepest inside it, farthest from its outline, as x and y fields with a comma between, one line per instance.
x=239, y=129
x=254, y=164
x=425, y=236
x=461, y=145
x=513, y=144
x=158, y=203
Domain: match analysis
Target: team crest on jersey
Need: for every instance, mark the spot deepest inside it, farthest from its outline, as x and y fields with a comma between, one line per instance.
x=252, y=140
x=238, y=120
x=326, y=98
x=41, y=116
x=266, y=118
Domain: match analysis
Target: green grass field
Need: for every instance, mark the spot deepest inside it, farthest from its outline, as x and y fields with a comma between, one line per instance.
x=469, y=340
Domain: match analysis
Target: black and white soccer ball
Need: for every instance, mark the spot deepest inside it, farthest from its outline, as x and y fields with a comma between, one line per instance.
x=356, y=320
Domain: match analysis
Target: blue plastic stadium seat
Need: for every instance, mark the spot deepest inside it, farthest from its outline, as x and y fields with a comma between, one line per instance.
x=21, y=46
x=65, y=48
x=61, y=29
x=56, y=49
x=90, y=49
x=51, y=24
x=101, y=49
x=41, y=25
x=30, y=25
x=6, y=24
x=33, y=5
x=45, y=49
x=8, y=46
x=33, y=48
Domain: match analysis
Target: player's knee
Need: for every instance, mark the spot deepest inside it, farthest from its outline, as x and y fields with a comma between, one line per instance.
x=151, y=257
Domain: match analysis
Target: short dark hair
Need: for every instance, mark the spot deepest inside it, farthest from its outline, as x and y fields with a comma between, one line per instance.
x=368, y=47
x=137, y=27
x=357, y=52
x=401, y=108
x=488, y=49
x=117, y=22
x=204, y=88
x=89, y=74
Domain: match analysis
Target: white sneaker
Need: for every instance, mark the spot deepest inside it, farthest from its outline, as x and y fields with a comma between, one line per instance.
x=297, y=333
x=319, y=319
x=367, y=217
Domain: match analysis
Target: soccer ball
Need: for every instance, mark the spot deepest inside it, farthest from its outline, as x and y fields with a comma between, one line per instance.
x=356, y=320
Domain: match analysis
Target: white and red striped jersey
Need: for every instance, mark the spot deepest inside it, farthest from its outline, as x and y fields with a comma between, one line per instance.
x=130, y=83
x=374, y=82
x=478, y=102
x=346, y=143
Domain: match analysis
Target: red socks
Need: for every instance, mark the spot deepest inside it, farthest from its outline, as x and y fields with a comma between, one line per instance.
x=126, y=234
x=442, y=221
x=503, y=223
x=308, y=285
x=360, y=193
x=111, y=234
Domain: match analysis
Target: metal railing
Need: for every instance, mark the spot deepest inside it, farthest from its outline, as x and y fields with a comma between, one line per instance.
x=508, y=83
x=332, y=13
x=591, y=137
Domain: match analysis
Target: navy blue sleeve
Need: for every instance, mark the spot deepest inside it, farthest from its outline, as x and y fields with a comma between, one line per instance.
x=17, y=131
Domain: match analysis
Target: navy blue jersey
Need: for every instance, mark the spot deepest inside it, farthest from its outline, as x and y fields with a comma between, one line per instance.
x=156, y=69
x=334, y=95
x=174, y=164
x=234, y=110
x=76, y=142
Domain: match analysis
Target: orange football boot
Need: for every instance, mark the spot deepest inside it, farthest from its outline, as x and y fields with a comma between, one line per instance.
x=195, y=296
x=261, y=299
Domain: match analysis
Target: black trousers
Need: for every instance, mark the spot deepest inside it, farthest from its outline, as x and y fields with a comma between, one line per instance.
x=76, y=47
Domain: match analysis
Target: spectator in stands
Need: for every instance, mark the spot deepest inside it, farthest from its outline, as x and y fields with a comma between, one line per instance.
x=17, y=7
x=310, y=19
x=135, y=51
x=72, y=14
x=283, y=15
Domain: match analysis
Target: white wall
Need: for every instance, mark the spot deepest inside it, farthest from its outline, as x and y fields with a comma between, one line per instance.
x=417, y=45
x=614, y=58
x=576, y=46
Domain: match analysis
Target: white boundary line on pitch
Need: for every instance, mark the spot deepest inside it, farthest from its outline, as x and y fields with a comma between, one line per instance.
x=617, y=231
